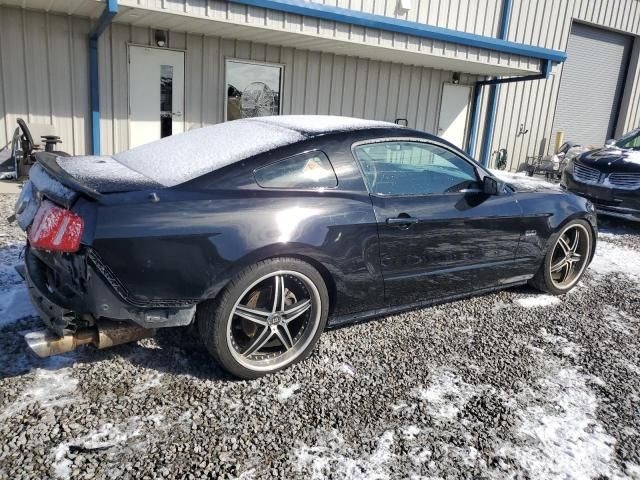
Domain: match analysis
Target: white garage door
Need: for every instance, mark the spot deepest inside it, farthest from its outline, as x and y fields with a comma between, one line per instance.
x=591, y=86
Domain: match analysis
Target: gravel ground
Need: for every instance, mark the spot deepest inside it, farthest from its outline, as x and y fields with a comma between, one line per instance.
x=509, y=385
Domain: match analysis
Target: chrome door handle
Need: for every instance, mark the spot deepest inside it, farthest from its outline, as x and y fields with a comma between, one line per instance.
x=402, y=221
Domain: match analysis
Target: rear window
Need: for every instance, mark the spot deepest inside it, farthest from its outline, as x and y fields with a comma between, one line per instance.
x=180, y=158
x=308, y=170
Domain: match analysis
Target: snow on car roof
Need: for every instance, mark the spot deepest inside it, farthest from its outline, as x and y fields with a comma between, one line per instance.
x=183, y=157
x=319, y=124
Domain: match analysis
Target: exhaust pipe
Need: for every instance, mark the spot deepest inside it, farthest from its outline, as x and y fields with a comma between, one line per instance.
x=45, y=343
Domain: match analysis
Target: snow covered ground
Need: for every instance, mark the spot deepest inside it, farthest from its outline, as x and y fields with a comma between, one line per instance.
x=510, y=385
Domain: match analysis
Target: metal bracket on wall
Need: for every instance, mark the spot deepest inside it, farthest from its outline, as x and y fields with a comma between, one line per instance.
x=522, y=130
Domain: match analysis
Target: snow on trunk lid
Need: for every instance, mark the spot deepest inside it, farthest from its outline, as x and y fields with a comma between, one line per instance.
x=105, y=174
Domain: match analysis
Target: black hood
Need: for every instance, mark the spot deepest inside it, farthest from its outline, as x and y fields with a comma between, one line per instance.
x=609, y=160
x=520, y=182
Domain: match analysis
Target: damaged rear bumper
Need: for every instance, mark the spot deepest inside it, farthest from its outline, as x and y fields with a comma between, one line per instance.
x=69, y=292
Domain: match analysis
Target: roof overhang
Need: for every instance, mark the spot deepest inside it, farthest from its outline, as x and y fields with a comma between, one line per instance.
x=307, y=25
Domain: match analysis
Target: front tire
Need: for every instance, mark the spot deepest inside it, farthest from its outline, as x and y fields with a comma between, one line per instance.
x=269, y=317
x=566, y=260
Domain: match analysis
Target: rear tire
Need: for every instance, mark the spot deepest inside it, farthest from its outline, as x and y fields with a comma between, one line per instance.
x=269, y=317
x=566, y=260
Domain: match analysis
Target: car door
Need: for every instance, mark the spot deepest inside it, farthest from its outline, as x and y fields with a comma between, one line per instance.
x=439, y=234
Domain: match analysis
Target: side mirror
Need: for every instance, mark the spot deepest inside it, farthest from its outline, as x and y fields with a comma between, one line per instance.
x=609, y=143
x=490, y=186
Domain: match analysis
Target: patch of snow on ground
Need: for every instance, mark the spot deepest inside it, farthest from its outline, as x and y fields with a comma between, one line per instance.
x=619, y=320
x=284, y=393
x=567, y=348
x=535, y=301
x=106, y=437
x=411, y=431
x=52, y=386
x=152, y=380
x=347, y=368
x=566, y=441
x=561, y=435
x=14, y=305
x=446, y=395
x=333, y=458
x=611, y=258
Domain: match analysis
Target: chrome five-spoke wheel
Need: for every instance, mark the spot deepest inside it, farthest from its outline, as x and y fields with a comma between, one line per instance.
x=567, y=258
x=269, y=317
x=274, y=320
x=570, y=256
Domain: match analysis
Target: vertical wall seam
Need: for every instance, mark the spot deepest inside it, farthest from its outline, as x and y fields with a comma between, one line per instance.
x=72, y=82
x=3, y=90
x=48, y=54
x=202, y=75
x=24, y=62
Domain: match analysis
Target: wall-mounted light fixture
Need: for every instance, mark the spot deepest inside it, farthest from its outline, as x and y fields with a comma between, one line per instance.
x=160, y=37
x=455, y=78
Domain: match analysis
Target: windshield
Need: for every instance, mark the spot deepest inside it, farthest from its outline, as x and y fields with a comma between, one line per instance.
x=630, y=140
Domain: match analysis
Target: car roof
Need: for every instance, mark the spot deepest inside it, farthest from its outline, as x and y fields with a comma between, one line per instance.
x=180, y=158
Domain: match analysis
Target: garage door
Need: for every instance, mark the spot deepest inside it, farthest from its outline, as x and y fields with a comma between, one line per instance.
x=591, y=85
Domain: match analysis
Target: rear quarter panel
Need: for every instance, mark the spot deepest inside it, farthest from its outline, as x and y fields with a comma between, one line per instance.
x=191, y=242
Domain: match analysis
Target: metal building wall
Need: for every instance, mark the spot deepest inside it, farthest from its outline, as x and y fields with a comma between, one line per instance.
x=50, y=83
x=547, y=23
x=43, y=74
x=314, y=82
x=322, y=35
x=474, y=16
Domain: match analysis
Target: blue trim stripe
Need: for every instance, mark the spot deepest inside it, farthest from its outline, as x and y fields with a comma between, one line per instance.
x=368, y=20
x=494, y=89
x=110, y=11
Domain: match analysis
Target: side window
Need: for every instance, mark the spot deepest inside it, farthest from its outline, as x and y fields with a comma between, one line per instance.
x=414, y=168
x=308, y=170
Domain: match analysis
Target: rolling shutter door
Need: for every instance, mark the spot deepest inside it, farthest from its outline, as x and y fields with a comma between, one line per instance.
x=592, y=83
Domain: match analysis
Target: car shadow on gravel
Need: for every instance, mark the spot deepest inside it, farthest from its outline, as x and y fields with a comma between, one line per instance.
x=175, y=351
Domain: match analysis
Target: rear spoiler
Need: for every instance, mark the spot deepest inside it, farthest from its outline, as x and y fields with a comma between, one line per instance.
x=48, y=162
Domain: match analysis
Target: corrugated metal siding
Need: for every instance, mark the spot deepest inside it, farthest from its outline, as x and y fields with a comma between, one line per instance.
x=318, y=31
x=547, y=23
x=314, y=83
x=473, y=16
x=43, y=74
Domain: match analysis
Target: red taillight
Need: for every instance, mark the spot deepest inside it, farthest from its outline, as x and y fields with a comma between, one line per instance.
x=56, y=229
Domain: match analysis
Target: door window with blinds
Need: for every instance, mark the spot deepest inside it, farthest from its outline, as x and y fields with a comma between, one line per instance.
x=166, y=100
x=253, y=89
x=414, y=168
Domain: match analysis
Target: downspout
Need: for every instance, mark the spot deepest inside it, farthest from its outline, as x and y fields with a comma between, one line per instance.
x=493, y=96
x=110, y=11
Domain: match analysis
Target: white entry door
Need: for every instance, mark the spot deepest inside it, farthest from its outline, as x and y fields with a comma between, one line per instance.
x=454, y=111
x=156, y=94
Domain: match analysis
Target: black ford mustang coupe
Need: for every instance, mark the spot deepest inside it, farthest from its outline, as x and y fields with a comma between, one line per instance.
x=609, y=177
x=264, y=231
